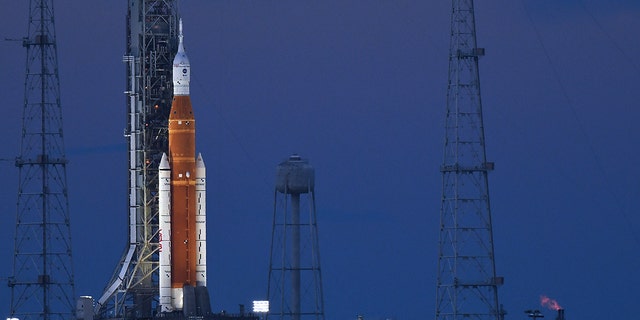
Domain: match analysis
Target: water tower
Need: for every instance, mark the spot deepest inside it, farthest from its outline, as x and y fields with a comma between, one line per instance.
x=295, y=282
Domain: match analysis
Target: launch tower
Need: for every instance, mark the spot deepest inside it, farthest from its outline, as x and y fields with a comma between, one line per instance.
x=152, y=43
x=467, y=286
x=295, y=282
x=42, y=285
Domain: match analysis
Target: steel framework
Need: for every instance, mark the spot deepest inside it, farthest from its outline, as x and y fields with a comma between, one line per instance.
x=294, y=288
x=467, y=285
x=152, y=27
x=42, y=285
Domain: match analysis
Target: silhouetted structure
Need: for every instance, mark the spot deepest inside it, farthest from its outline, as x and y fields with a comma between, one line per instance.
x=152, y=42
x=42, y=285
x=295, y=283
x=467, y=286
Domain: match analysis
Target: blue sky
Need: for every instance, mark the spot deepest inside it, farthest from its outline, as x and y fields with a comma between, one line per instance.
x=359, y=88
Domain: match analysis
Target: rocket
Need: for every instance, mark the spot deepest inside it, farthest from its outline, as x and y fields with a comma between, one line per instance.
x=182, y=204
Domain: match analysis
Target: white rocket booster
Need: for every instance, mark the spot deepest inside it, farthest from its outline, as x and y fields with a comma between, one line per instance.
x=164, y=233
x=201, y=222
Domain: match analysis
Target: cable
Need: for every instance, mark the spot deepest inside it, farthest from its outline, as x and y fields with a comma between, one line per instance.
x=571, y=106
x=613, y=41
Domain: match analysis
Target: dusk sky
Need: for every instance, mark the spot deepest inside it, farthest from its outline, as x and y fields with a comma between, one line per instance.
x=358, y=87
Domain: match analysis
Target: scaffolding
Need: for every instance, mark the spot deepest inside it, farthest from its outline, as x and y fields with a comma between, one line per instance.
x=152, y=27
x=42, y=284
x=467, y=285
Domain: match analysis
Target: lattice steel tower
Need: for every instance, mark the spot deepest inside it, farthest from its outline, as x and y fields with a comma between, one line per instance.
x=295, y=283
x=467, y=286
x=152, y=42
x=42, y=285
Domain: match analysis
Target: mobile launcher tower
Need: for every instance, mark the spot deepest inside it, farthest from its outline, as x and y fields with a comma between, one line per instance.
x=162, y=273
x=152, y=43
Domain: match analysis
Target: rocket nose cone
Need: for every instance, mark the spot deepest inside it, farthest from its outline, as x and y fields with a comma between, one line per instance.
x=164, y=162
x=181, y=59
x=199, y=161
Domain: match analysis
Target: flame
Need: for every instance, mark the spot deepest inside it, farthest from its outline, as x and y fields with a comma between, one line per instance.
x=549, y=303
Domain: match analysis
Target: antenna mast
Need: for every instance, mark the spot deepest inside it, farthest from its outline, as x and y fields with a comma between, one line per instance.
x=42, y=285
x=467, y=286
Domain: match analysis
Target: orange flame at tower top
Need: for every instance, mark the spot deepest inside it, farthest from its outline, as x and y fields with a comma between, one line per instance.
x=549, y=303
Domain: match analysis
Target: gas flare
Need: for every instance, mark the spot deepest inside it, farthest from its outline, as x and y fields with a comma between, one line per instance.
x=549, y=303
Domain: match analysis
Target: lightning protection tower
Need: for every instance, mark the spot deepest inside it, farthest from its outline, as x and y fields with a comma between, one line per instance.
x=295, y=283
x=152, y=42
x=467, y=286
x=42, y=285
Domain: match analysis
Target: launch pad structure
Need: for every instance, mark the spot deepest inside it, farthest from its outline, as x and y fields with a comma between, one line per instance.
x=294, y=288
x=150, y=48
x=42, y=284
x=467, y=284
x=157, y=80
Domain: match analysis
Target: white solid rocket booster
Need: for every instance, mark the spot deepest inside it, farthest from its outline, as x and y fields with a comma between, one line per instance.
x=164, y=233
x=201, y=222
